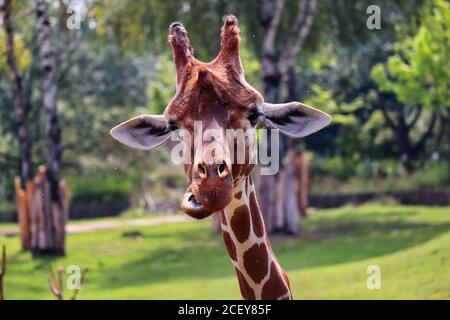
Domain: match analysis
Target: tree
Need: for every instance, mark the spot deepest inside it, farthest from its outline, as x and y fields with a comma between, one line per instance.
x=418, y=74
x=278, y=53
x=19, y=102
x=21, y=114
x=49, y=237
x=403, y=121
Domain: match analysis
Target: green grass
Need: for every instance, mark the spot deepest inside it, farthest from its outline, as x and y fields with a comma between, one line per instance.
x=411, y=245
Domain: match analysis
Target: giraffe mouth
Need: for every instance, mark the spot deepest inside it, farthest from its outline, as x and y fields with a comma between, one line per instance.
x=191, y=206
x=204, y=196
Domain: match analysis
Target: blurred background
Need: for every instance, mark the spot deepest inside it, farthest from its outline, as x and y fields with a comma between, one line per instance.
x=372, y=188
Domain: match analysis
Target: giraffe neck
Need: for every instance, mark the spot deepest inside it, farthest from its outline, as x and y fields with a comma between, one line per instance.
x=259, y=274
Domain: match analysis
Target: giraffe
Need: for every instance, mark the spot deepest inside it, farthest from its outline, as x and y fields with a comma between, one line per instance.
x=217, y=95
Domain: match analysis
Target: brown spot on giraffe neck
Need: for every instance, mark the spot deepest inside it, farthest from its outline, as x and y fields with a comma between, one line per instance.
x=275, y=287
x=238, y=195
x=240, y=223
x=257, y=222
x=256, y=262
x=246, y=291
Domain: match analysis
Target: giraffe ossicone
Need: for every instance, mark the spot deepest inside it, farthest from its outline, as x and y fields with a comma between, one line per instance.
x=217, y=94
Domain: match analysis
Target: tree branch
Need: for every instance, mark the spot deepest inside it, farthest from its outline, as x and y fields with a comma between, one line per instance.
x=296, y=25
x=441, y=131
x=19, y=105
x=421, y=144
x=416, y=117
x=294, y=46
x=6, y=11
x=271, y=31
x=382, y=105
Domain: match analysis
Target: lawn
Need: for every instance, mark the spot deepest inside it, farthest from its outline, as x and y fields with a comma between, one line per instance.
x=184, y=260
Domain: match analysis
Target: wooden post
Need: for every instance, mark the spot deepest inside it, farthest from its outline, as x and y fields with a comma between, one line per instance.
x=23, y=215
x=48, y=216
x=301, y=172
x=290, y=216
x=42, y=219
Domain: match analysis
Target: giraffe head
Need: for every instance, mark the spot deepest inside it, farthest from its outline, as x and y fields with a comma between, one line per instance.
x=210, y=99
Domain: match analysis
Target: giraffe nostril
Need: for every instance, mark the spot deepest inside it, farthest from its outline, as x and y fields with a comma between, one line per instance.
x=201, y=170
x=192, y=199
x=222, y=170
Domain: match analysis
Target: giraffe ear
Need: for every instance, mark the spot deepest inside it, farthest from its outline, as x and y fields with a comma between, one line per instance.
x=295, y=119
x=143, y=132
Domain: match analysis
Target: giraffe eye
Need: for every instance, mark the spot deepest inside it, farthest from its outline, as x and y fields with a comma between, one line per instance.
x=253, y=118
x=172, y=125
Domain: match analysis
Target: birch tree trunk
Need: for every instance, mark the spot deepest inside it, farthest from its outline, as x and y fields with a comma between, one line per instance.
x=270, y=19
x=50, y=236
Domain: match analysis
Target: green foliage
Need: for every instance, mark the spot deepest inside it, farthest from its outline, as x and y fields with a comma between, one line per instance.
x=23, y=54
x=419, y=70
x=169, y=177
x=161, y=89
x=432, y=175
x=100, y=189
x=335, y=166
x=345, y=122
x=142, y=26
x=344, y=114
x=342, y=175
x=251, y=64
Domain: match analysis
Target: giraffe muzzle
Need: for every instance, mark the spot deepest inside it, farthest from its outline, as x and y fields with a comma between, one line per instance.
x=192, y=207
x=207, y=195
